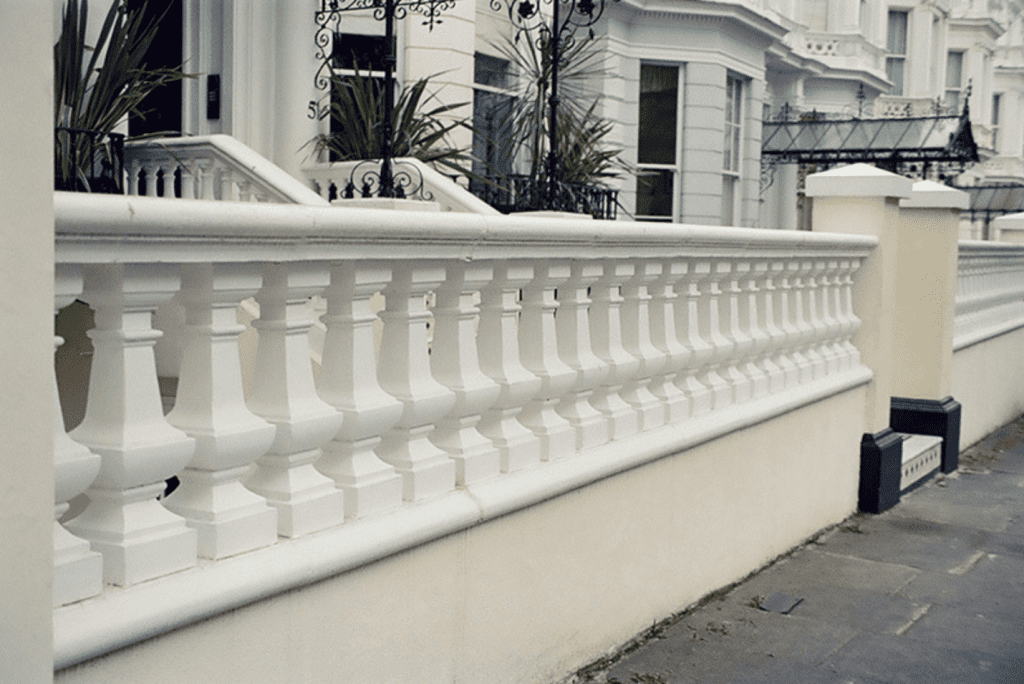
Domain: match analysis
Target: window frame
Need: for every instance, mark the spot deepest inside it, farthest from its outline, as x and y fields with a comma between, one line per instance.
x=674, y=167
x=732, y=146
x=892, y=57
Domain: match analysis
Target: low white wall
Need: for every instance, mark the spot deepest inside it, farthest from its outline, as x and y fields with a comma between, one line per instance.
x=988, y=381
x=533, y=595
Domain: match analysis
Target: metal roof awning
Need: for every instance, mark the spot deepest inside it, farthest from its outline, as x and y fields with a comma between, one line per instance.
x=994, y=200
x=887, y=143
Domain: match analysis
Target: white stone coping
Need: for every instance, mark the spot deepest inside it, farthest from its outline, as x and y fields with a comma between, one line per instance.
x=858, y=180
x=1009, y=222
x=92, y=228
x=931, y=195
x=236, y=154
x=121, y=617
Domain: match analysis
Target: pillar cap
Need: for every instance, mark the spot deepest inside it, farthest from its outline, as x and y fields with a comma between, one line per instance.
x=1009, y=222
x=931, y=195
x=858, y=180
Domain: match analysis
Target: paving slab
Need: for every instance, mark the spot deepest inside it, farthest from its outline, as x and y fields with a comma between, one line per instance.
x=930, y=591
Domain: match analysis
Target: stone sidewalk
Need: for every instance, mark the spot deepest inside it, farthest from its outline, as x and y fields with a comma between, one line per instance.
x=930, y=591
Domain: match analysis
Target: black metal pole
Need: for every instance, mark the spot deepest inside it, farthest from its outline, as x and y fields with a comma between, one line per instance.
x=387, y=184
x=553, y=106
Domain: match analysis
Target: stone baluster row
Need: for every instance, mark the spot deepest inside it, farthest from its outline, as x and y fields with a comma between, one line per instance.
x=201, y=177
x=527, y=362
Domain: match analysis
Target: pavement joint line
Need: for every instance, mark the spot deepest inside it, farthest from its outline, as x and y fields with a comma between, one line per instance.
x=914, y=617
x=968, y=564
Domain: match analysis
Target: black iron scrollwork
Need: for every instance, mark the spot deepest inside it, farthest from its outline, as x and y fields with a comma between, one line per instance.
x=365, y=181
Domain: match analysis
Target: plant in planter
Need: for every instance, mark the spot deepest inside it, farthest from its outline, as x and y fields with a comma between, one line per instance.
x=419, y=130
x=92, y=98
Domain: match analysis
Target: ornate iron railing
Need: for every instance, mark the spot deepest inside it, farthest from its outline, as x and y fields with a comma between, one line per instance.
x=517, y=193
x=88, y=161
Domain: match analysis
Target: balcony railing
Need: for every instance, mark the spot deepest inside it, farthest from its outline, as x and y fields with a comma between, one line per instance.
x=990, y=291
x=516, y=193
x=559, y=352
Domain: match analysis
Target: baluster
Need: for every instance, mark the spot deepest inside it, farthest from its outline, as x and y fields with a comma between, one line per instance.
x=133, y=177
x=188, y=171
x=207, y=179
x=572, y=327
x=228, y=189
x=404, y=373
x=538, y=350
x=606, y=336
x=665, y=340
x=739, y=342
x=688, y=332
x=284, y=394
x=498, y=350
x=775, y=325
x=796, y=331
x=124, y=423
x=77, y=570
x=210, y=408
x=829, y=321
x=348, y=382
x=838, y=313
x=755, y=363
x=244, y=188
x=454, y=362
x=151, y=179
x=636, y=337
x=711, y=322
x=812, y=288
x=851, y=321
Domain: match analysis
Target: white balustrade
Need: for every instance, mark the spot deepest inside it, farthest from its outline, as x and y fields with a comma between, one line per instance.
x=572, y=325
x=498, y=350
x=990, y=291
x=454, y=362
x=405, y=373
x=210, y=408
x=348, y=382
x=125, y=425
x=284, y=395
x=539, y=351
x=77, y=570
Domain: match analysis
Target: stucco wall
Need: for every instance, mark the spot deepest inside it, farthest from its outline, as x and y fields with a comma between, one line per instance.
x=532, y=596
x=988, y=381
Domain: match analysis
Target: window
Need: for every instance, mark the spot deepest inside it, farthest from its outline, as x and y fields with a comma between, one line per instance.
x=732, y=149
x=658, y=143
x=895, y=63
x=352, y=52
x=493, y=103
x=996, y=102
x=954, y=80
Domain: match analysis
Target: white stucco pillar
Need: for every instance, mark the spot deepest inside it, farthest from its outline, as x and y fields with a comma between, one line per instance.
x=864, y=200
x=917, y=77
x=703, y=124
x=925, y=294
x=26, y=348
x=295, y=65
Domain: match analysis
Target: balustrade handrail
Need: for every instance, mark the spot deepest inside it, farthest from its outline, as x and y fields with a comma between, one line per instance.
x=561, y=352
x=201, y=154
x=990, y=291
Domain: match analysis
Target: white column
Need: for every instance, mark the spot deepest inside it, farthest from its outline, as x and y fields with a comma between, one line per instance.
x=404, y=373
x=210, y=408
x=498, y=350
x=772, y=358
x=77, y=570
x=124, y=423
x=283, y=393
x=348, y=382
x=796, y=331
x=734, y=330
x=755, y=365
x=606, y=335
x=664, y=337
x=783, y=334
x=711, y=324
x=636, y=337
x=455, y=365
x=807, y=318
x=538, y=350
x=572, y=326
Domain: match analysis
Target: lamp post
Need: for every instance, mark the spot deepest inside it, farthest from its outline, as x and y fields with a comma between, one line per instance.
x=328, y=20
x=566, y=16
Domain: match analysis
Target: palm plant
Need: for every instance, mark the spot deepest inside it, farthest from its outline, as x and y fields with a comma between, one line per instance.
x=584, y=157
x=91, y=99
x=419, y=129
